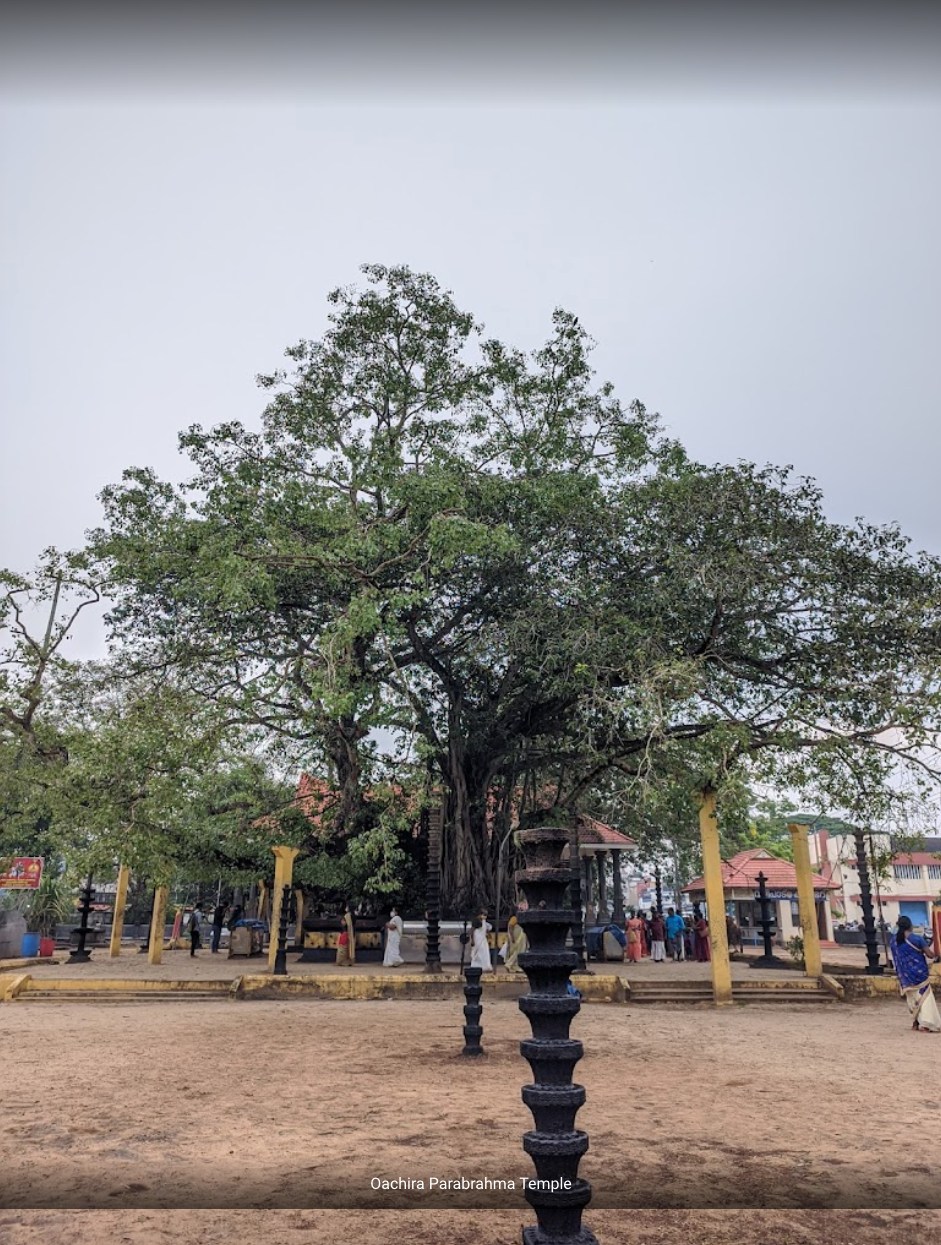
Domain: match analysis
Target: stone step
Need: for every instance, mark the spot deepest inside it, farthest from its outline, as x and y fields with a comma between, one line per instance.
x=699, y=992
x=664, y=983
x=783, y=996
x=797, y=983
x=667, y=997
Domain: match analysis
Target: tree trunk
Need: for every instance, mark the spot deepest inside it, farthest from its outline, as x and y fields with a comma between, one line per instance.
x=343, y=739
x=467, y=879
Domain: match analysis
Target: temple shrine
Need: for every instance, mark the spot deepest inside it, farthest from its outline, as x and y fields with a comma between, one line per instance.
x=740, y=891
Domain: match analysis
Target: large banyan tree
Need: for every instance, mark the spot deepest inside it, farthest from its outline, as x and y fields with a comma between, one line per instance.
x=439, y=549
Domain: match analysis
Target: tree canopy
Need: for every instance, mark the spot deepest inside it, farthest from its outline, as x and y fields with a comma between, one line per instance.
x=443, y=558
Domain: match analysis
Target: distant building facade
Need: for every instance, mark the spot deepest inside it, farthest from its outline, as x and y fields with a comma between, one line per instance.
x=910, y=887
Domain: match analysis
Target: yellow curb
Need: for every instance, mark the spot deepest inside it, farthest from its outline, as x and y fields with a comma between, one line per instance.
x=28, y=963
x=831, y=984
x=425, y=986
x=106, y=985
x=10, y=987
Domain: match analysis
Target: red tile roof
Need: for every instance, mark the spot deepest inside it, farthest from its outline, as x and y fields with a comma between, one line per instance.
x=741, y=872
x=596, y=832
x=916, y=858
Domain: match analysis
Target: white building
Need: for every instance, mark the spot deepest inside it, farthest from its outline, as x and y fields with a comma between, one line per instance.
x=907, y=885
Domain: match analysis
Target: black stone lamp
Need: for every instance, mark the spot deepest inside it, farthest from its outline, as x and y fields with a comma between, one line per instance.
x=555, y=1145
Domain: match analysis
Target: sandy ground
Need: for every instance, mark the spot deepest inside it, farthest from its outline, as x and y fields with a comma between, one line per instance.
x=465, y=1228
x=204, y=965
x=219, y=1106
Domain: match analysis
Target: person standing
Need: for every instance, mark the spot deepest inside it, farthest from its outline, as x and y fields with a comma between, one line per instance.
x=701, y=931
x=480, y=948
x=218, y=920
x=910, y=955
x=689, y=938
x=196, y=920
x=346, y=943
x=675, y=926
x=516, y=943
x=657, y=938
x=646, y=939
x=635, y=934
x=394, y=930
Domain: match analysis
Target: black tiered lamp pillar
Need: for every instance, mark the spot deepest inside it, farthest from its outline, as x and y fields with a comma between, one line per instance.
x=473, y=1031
x=81, y=955
x=145, y=945
x=281, y=957
x=658, y=885
x=873, y=967
x=767, y=923
x=575, y=900
x=431, y=826
x=557, y=1194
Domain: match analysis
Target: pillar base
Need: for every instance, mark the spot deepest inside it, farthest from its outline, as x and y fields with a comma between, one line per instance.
x=79, y=957
x=536, y=1236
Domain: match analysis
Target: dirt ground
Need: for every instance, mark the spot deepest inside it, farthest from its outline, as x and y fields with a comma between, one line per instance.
x=782, y=1112
x=431, y=1227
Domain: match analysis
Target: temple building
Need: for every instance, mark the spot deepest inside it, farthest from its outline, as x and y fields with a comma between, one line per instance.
x=740, y=888
x=597, y=844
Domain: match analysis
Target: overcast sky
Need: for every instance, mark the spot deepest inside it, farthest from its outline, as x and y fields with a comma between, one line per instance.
x=751, y=237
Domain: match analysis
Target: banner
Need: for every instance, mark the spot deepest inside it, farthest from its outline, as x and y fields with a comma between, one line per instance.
x=24, y=874
x=789, y=894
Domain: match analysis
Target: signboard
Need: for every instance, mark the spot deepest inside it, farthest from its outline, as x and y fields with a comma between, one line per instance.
x=818, y=895
x=24, y=874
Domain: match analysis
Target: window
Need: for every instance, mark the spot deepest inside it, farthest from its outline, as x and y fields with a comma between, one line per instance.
x=934, y=871
x=907, y=871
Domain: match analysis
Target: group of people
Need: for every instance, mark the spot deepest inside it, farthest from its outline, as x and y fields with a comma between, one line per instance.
x=224, y=916
x=657, y=936
x=516, y=942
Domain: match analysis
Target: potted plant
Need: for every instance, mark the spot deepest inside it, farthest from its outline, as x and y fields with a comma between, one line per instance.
x=49, y=905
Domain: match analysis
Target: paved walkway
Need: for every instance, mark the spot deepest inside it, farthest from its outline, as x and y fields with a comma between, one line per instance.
x=204, y=966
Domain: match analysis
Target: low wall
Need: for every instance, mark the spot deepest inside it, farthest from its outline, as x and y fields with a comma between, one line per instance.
x=427, y=987
x=861, y=986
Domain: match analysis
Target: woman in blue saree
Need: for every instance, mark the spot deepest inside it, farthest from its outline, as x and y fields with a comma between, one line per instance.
x=912, y=955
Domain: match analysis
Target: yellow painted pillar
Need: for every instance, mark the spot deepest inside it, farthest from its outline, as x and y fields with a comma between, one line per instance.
x=283, y=874
x=120, y=904
x=813, y=966
x=715, y=898
x=155, y=953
